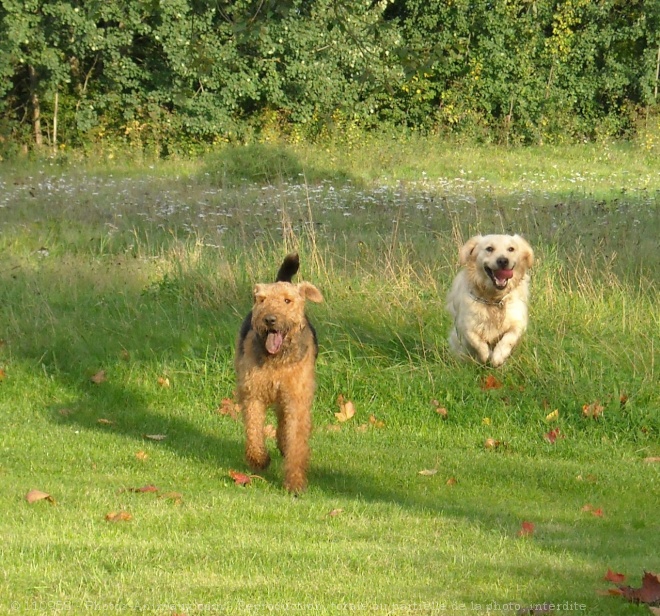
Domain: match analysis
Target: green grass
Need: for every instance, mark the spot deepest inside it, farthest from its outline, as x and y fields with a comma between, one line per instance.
x=146, y=273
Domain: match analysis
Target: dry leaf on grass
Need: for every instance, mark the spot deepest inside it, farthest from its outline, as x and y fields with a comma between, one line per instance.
x=229, y=408
x=376, y=423
x=616, y=578
x=526, y=529
x=440, y=410
x=593, y=410
x=335, y=512
x=99, y=377
x=3, y=374
x=270, y=431
x=141, y=455
x=652, y=459
x=346, y=409
x=240, y=479
x=155, y=437
x=490, y=382
x=176, y=497
x=594, y=511
x=648, y=592
x=105, y=422
x=143, y=489
x=163, y=381
x=428, y=472
x=553, y=435
x=491, y=443
x=36, y=495
x=552, y=416
x=118, y=516
x=451, y=481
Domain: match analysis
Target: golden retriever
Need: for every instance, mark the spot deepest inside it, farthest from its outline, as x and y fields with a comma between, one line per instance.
x=488, y=299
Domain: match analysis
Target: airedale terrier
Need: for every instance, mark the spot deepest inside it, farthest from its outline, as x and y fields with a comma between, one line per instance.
x=275, y=357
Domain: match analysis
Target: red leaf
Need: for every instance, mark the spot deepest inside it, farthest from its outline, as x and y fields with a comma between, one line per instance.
x=229, y=408
x=526, y=529
x=553, y=435
x=616, y=578
x=99, y=377
x=649, y=592
x=490, y=382
x=240, y=479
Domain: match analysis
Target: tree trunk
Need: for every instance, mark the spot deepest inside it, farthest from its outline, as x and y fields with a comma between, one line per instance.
x=36, y=108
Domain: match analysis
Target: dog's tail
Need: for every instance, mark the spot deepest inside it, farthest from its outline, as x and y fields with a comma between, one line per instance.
x=289, y=268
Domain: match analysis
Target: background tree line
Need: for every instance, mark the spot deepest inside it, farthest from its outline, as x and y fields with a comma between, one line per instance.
x=175, y=76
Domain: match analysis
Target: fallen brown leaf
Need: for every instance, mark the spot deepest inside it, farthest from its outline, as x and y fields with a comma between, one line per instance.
x=143, y=489
x=553, y=435
x=36, y=495
x=141, y=455
x=177, y=497
x=597, y=512
x=346, y=409
x=428, y=472
x=3, y=374
x=105, y=422
x=652, y=459
x=163, y=381
x=155, y=437
x=593, y=410
x=118, y=516
x=376, y=423
x=490, y=382
x=335, y=512
x=451, y=481
x=229, y=408
x=491, y=443
x=649, y=592
x=99, y=377
x=616, y=578
x=240, y=479
x=440, y=410
x=526, y=529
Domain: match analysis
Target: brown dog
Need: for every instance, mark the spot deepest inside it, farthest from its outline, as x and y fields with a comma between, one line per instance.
x=488, y=299
x=275, y=357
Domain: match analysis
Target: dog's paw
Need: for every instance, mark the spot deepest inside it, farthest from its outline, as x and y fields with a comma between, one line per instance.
x=257, y=461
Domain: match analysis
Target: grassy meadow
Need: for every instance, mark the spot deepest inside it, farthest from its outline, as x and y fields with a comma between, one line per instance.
x=122, y=287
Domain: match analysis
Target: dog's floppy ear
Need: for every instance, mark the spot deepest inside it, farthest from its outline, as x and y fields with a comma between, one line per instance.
x=465, y=252
x=310, y=292
x=526, y=251
x=258, y=293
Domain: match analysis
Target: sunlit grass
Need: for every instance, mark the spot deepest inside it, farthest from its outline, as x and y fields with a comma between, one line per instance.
x=147, y=274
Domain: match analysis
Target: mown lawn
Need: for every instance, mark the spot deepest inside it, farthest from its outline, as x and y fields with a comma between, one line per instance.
x=121, y=292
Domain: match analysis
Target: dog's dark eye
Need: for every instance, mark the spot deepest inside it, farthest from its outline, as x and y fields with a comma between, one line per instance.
x=510, y=248
x=287, y=300
x=489, y=249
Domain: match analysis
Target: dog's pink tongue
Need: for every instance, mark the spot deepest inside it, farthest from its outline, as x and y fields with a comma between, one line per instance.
x=274, y=342
x=503, y=274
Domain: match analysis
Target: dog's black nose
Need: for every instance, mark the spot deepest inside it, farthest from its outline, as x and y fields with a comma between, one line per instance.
x=270, y=320
x=503, y=263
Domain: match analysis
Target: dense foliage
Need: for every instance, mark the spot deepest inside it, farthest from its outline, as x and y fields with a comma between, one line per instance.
x=177, y=75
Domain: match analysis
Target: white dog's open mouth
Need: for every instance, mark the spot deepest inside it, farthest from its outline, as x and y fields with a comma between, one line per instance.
x=274, y=341
x=500, y=277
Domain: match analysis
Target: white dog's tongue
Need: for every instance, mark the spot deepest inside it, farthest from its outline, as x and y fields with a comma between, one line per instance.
x=503, y=275
x=274, y=342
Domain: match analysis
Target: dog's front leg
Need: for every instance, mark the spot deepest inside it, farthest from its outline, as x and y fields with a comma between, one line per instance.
x=503, y=348
x=294, y=432
x=254, y=416
x=478, y=345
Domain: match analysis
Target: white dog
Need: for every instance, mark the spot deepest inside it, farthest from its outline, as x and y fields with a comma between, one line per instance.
x=488, y=298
